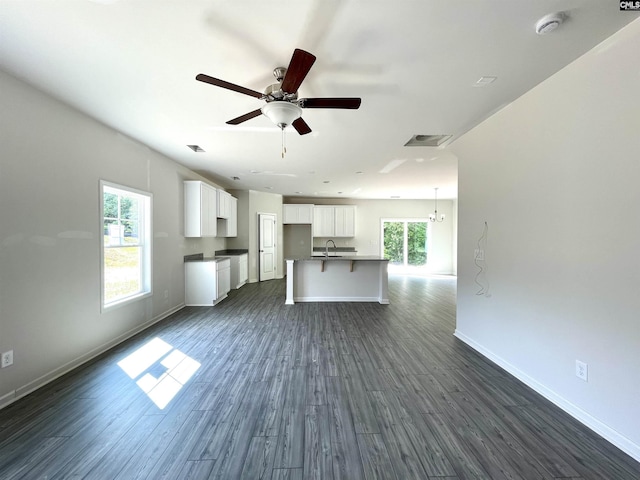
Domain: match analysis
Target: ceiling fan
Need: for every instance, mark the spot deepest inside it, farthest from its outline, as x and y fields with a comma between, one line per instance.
x=283, y=106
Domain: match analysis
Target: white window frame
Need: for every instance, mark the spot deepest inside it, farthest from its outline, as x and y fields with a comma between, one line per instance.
x=406, y=220
x=145, y=241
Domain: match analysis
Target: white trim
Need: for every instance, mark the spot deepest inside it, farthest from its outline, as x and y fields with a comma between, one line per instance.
x=341, y=299
x=49, y=377
x=620, y=441
x=147, y=251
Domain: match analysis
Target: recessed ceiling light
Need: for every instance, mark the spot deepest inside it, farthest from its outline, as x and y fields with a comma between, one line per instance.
x=340, y=193
x=359, y=172
x=196, y=148
x=326, y=181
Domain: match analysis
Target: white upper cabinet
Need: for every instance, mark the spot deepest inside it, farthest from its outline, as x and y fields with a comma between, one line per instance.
x=297, y=213
x=334, y=221
x=323, y=221
x=345, y=221
x=224, y=204
x=228, y=227
x=200, y=209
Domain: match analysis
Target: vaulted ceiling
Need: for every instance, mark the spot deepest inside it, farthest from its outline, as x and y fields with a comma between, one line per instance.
x=416, y=64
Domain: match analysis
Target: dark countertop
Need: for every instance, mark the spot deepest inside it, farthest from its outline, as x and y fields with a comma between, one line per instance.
x=356, y=258
x=337, y=249
x=199, y=257
x=231, y=251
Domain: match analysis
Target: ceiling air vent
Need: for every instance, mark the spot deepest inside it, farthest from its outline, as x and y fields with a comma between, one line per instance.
x=427, y=140
x=196, y=148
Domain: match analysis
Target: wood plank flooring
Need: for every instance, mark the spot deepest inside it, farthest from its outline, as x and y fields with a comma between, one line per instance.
x=324, y=391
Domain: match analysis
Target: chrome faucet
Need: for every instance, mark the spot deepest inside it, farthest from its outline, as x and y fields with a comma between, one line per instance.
x=326, y=247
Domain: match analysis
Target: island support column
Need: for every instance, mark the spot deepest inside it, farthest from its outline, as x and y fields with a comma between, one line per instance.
x=289, y=299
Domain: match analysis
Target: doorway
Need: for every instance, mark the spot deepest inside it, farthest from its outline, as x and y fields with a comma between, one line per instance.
x=405, y=244
x=266, y=246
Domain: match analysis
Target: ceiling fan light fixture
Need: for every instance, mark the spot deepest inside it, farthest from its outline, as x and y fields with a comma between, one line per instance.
x=282, y=113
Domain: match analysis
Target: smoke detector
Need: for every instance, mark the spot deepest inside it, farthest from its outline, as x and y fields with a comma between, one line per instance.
x=549, y=23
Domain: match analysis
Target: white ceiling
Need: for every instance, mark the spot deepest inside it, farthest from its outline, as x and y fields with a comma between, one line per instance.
x=131, y=64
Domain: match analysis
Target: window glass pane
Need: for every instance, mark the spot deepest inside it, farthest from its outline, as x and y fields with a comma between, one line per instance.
x=112, y=232
x=122, y=268
x=394, y=242
x=110, y=205
x=131, y=233
x=417, y=243
x=129, y=208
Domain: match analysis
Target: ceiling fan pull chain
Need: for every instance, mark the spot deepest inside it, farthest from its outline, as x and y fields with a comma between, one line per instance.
x=284, y=147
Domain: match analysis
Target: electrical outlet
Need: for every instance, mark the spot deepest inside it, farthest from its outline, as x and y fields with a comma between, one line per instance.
x=582, y=370
x=7, y=359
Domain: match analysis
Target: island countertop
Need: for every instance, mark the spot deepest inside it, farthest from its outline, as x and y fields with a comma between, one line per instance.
x=336, y=258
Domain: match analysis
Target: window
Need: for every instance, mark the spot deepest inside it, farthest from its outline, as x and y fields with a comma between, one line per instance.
x=404, y=243
x=126, y=244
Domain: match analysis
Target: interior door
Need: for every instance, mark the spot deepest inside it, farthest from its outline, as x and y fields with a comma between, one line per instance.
x=267, y=246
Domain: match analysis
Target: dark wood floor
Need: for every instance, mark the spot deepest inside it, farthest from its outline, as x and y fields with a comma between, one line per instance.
x=309, y=391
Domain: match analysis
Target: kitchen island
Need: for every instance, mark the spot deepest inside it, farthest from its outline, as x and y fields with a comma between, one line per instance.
x=337, y=279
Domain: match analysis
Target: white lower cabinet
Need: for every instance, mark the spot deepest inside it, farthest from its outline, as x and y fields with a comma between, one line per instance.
x=223, y=274
x=239, y=270
x=206, y=282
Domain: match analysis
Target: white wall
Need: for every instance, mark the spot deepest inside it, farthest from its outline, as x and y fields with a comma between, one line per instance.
x=555, y=176
x=250, y=204
x=369, y=214
x=51, y=161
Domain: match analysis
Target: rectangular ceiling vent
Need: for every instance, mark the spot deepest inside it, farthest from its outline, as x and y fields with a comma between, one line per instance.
x=427, y=140
x=196, y=148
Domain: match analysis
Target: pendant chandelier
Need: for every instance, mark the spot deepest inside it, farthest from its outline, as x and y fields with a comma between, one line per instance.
x=433, y=217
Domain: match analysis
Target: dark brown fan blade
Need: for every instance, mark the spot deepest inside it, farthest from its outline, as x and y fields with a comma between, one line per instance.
x=245, y=117
x=298, y=68
x=230, y=86
x=301, y=126
x=350, y=103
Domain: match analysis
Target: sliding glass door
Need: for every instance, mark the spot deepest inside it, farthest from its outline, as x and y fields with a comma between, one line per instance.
x=404, y=243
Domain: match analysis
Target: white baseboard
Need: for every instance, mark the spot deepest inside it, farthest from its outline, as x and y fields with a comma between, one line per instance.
x=32, y=386
x=338, y=299
x=620, y=441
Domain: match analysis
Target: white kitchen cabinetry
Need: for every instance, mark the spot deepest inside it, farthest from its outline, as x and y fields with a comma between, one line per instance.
x=323, y=221
x=200, y=210
x=297, y=213
x=224, y=204
x=334, y=221
x=228, y=227
x=206, y=282
x=223, y=278
x=239, y=270
x=345, y=221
